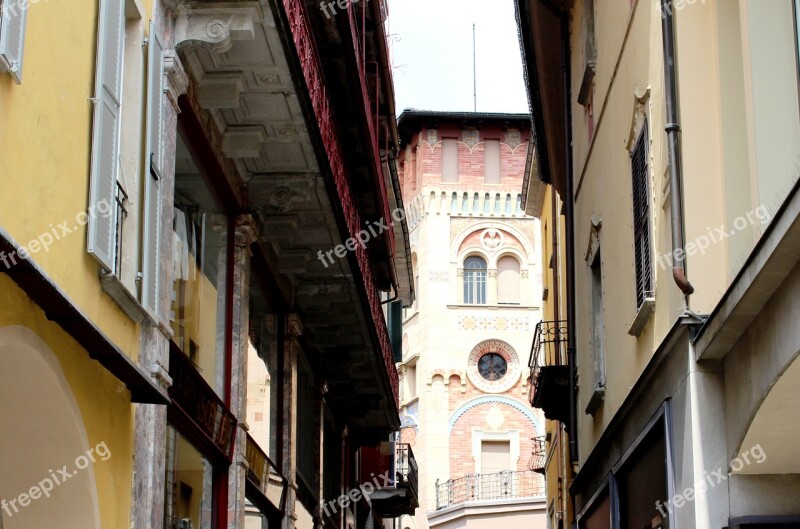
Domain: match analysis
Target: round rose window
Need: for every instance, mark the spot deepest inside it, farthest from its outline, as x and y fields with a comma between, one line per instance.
x=492, y=367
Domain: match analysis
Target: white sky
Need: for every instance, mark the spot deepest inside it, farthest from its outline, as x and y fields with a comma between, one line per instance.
x=431, y=47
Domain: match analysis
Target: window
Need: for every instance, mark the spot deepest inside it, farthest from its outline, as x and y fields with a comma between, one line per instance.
x=492, y=161
x=475, y=281
x=308, y=406
x=187, y=484
x=126, y=242
x=12, y=37
x=598, y=341
x=492, y=367
x=597, y=322
x=641, y=218
x=200, y=256
x=495, y=456
x=508, y=282
x=450, y=160
x=106, y=130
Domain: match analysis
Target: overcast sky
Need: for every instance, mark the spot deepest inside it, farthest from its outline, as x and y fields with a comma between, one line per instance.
x=431, y=43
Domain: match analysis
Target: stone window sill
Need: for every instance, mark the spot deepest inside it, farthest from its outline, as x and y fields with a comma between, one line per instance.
x=642, y=317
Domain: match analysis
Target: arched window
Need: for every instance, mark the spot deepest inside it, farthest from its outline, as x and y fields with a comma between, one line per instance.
x=508, y=284
x=475, y=281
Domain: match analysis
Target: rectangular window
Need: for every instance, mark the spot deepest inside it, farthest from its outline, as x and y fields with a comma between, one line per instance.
x=475, y=281
x=188, y=484
x=495, y=456
x=199, y=261
x=641, y=218
x=492, y=161
x=597, y=323
x=450, y=160
x=102, y=241
x=308, y=409
x=12, y=37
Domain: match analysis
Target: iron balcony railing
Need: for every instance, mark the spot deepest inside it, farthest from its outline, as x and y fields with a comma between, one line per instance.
x=538, y=458
x=406, y=469
x=548, y=349
x=488, y=487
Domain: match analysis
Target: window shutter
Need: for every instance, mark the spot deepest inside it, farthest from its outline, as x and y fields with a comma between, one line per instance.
x=450, y=160
x=12, y=39
x=641, y=218
x=105, y=130
x=508, y=283
x=151, y=258
x=492, y=161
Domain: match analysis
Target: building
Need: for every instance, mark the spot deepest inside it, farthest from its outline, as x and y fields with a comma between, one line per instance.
x=668, y=141
x=185, y=184
x=476, y=261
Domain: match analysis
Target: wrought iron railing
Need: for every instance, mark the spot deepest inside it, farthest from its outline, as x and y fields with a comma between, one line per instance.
x=548, y=349
x=488, y=487
x=406, y=469
x=538, y=455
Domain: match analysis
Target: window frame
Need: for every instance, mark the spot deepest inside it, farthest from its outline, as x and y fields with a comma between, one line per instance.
x=475, y=281
x=642, y=211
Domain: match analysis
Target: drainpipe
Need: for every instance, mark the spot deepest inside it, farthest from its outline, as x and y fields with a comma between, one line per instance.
x=569, y=213
x=673, y=129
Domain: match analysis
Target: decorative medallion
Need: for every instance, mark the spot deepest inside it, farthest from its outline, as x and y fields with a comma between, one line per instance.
x=281, y=199
x=493, y=366
x=471, y=137
x=433, y=137
x=513, y=138
x=492, y=239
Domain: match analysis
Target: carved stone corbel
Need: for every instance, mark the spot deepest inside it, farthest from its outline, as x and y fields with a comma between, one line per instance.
x=217, y=24
x=177, y=79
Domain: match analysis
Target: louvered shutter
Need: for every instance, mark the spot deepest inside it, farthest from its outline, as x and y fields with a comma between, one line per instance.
x=105, y=130
x=641, y=218
x=151, y=277
x=12, y=38
x=508, y=284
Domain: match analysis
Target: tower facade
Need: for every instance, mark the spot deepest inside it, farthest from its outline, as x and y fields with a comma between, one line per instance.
x=477, y=270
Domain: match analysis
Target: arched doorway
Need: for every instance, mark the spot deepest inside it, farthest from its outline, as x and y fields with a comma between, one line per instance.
x=41, y=431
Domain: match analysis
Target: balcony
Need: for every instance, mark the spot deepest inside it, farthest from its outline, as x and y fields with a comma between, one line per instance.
x=549, y=378
x=502, y=486
x=401, y=494
x=538, y=460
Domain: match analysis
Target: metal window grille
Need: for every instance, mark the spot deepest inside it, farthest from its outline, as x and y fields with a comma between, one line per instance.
x=641, y=218
x=120, y=198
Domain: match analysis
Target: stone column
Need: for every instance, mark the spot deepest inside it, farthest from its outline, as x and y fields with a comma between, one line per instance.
x=245, y=235
x=150, y=421
x=526, y=295
x=491, y=287
x=294, y=329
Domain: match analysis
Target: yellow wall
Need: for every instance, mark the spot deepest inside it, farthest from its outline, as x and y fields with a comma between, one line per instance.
x=729, y=108
x=45, y=136
x=103, y=401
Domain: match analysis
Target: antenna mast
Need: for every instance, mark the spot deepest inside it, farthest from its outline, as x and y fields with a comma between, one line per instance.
x=474, y=73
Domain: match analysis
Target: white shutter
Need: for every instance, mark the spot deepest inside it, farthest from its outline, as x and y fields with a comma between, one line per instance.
x=508, y=280
x=12, y=38
x=151, y=265
x=105, y=130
